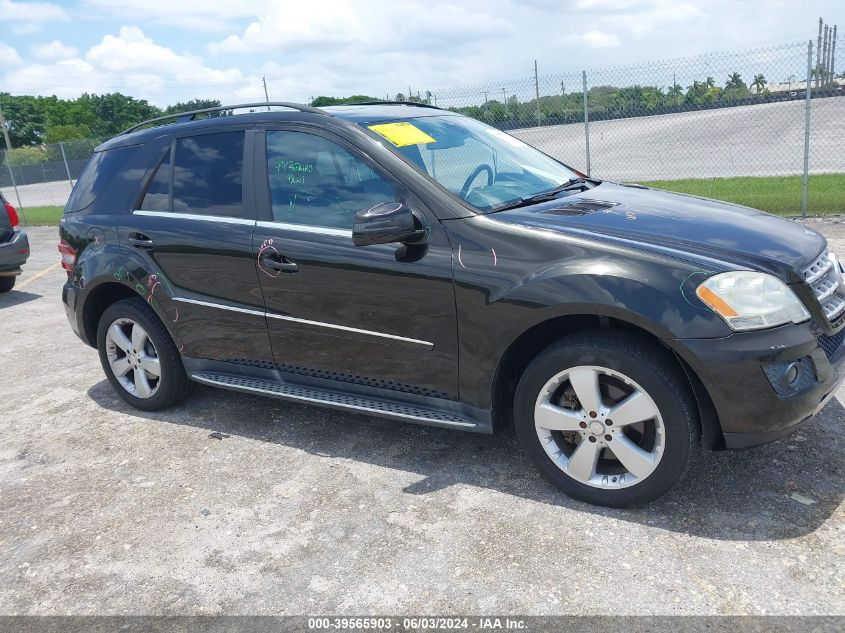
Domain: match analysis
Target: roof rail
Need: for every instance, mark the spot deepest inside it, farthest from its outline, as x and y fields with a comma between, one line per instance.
x=184, y=117
x=407, y=103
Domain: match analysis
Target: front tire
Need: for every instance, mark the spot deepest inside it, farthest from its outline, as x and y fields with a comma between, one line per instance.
x=608, y=417
x=139, y=357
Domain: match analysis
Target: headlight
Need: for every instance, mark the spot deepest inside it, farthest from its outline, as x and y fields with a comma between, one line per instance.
x=751, y=301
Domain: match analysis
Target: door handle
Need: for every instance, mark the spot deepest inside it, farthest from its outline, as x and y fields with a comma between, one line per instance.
x=139, y=240
x=282, y=265
x=274, y=261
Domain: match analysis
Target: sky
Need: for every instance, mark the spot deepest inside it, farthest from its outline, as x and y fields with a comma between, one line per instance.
x=173, y=50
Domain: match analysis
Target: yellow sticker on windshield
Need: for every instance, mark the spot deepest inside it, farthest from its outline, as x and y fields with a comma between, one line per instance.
x=402, y=133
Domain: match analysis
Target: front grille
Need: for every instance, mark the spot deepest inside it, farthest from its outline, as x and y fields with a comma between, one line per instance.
x=831, y=344
x=824, y=276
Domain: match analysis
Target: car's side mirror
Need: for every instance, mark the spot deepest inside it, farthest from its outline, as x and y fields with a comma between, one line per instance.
x=387, y=222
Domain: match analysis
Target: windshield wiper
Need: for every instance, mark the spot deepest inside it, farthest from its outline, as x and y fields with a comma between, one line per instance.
x=551, y=194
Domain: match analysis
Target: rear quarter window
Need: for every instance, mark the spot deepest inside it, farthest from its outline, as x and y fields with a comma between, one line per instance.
x=97, y=175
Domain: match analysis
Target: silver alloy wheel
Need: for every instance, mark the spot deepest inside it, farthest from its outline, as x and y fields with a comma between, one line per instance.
x=133, y=358
x=599, y=427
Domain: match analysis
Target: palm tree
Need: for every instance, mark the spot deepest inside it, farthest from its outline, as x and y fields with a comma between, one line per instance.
x=735, y=81
x=759, y=83
x=676, y=92
x=711, y=83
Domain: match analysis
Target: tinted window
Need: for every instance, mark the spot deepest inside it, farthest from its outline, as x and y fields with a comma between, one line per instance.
x=208, y=174
x=316, y=182
x=157, y=197
x=99, y=172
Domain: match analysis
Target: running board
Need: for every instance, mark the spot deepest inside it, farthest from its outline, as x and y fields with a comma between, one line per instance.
x=334, y=400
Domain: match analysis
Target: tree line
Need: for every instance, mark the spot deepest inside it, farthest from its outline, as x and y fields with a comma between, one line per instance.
x=611, y=102
x=34, y=124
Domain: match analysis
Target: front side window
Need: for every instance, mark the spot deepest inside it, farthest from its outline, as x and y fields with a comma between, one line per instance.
x=316, y=182
x=208, y=174
x=480, y=164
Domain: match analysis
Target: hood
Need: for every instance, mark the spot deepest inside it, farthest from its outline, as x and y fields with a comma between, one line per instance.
x=729, y=233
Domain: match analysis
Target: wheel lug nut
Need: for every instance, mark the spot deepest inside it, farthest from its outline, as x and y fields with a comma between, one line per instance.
x=607, y=437
x=593, y=414
x=583, y=425
x=609, y=422
x=593, y=438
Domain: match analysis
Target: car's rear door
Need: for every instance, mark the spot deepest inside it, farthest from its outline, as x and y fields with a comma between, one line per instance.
x=188, y=246
x=381, y=315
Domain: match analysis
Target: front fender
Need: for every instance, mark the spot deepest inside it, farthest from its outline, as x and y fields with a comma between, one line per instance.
x=510, y=279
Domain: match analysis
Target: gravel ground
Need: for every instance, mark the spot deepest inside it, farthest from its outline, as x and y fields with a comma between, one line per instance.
x=297, y=510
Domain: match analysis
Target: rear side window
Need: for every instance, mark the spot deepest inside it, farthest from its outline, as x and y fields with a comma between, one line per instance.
x=157, y=197
x=208, y=174
x=97, y=175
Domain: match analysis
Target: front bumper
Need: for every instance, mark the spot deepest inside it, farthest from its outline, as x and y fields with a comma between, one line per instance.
x=750, y=410
x=14, y=253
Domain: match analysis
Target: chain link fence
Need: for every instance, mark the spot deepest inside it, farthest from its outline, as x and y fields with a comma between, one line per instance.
x=43, y=176
x=736, y=126
x=729, y=125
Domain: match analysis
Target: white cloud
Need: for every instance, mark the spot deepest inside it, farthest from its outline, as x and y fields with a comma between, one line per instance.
x=29, y=17
x=607, y=5
x=376, y=47
x=288, y=25
x=596, y=39
x=371, y=26
x=132, y=52
x=131, y=63
x=53, y=50
x=8, y=56
x=197, y=15
x=655, y=15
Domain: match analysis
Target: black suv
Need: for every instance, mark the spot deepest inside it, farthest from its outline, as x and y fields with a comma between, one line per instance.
x=407, y=262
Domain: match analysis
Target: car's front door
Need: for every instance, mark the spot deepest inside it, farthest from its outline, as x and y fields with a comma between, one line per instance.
x=381, y=316
x=188, y=248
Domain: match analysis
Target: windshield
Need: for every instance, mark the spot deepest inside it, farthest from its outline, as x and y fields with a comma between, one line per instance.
x=480, y=164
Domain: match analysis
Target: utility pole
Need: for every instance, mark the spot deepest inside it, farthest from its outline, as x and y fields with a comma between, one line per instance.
x=9, y=156
x=833, y=55
x=266, y=97
x=562, y=89
x=819, y=53
x=484, y=92
x=537, y=92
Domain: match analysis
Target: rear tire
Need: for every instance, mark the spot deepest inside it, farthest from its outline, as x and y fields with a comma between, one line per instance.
x=7, y=282
x=139, y=357
x=564, y=413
